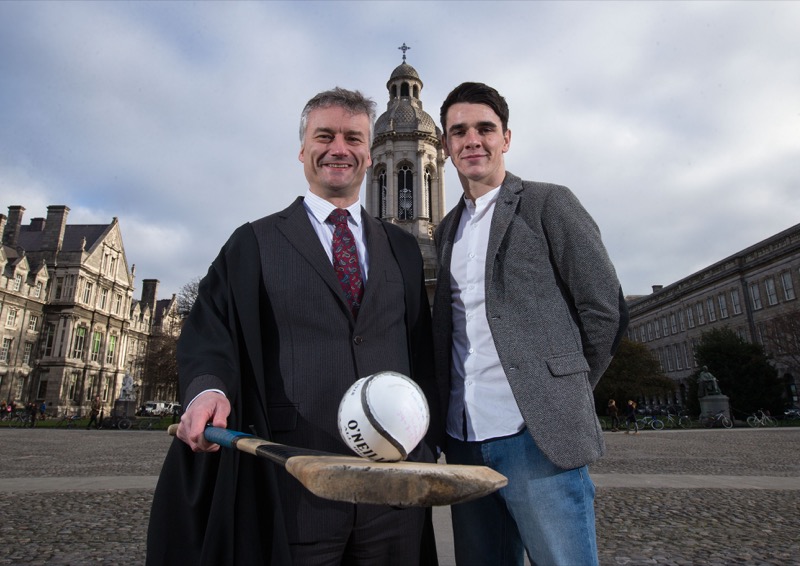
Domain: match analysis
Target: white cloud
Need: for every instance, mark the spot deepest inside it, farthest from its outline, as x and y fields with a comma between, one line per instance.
x=674, y=122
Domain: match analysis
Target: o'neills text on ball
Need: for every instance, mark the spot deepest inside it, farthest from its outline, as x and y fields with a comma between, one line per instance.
x=357, y=441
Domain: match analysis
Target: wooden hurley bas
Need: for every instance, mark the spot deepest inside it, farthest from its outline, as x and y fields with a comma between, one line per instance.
x=358, y=480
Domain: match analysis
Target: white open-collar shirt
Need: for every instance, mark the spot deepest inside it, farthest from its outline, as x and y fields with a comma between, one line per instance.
x=482, y=405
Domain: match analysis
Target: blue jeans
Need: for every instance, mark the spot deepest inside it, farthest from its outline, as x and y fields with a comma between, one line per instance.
x=545, y=510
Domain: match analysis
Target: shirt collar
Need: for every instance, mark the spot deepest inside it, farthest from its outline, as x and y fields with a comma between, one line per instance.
x=321, y=208
x=482, y=201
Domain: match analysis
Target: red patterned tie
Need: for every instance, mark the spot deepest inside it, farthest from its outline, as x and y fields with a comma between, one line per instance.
x=345, y=259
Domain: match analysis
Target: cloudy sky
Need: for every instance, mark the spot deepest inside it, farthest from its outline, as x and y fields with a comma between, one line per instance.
x=676, y=123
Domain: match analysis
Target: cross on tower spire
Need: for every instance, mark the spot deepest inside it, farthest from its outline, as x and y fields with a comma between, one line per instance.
x=404, y=48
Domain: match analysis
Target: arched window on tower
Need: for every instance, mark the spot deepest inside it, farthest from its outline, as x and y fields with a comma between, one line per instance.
x=405, y=193
x=416, y=91
x=404, y=89
x=427, y=191
x=394, y=92
x=382, y=193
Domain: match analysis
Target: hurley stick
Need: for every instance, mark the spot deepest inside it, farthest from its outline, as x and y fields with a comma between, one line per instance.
x=358, y=480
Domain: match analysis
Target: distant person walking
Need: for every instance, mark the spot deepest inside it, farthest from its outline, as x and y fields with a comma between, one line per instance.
x=96, y=406
x=630, y=417
x=613, y=412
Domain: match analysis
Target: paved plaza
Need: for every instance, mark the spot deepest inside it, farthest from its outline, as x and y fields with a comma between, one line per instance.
x=697, y=497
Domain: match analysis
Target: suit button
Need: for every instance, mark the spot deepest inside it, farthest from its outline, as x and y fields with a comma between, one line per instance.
x=358, y=340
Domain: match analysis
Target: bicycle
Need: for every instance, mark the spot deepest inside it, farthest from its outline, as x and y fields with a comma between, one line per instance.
x=760, y=419
x=653, y=422
x=20, y=420
x=68, y=421
x=720, y=419
x=682, y=421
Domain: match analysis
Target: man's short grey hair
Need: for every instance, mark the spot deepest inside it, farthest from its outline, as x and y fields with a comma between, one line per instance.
x=351, y=100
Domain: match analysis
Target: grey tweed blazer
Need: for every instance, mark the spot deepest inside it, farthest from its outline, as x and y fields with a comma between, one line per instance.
x=554, y=306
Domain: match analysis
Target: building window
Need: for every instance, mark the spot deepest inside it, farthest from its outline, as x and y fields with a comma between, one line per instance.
x=737, y=305
x=788, y=285
x=26, y=353
x=97, y=340
x=690, y=316
x=664, y=326
x=723, y=305
x=112, y=267
x=426, y=195
x=104, y=394
x=649, y=331
x=701, y=317
x=72, y=387
x=755, y=296
x=772, y=292
x=657, y=329
x=11, y=317
x=712, y=314
x=681, y=322
x=17, y=282
x=5, y=349
x=37, y=290
x=79, y=342
x=673, y=322
x=69, y=287
x=112, y=343
x=59, y=288
x=49, y=338
x=405, y=193
x=33, y=323
x=687, y=356
x=678, y=364
x=117, y=303
x=668, y=355
x=381, y=176
x=87, y=292
x=103, y=299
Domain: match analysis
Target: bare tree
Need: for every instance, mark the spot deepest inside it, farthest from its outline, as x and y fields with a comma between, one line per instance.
x=187, y=296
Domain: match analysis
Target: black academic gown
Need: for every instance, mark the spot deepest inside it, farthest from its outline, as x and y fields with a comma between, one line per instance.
x=224, y=507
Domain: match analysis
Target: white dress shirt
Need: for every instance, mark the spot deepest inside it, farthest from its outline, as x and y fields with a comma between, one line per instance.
x=319, y=209
x=482, y=405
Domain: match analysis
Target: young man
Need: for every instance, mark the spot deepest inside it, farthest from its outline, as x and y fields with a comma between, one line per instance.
x=528, y=312
x=293, y=311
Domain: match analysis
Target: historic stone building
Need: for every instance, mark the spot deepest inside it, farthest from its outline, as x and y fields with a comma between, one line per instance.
x=744, y=292
x=69, y=325
x=406, y=182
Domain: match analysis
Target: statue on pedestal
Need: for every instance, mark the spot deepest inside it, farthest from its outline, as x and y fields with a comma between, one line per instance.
x=707, y=384
x=126, y=393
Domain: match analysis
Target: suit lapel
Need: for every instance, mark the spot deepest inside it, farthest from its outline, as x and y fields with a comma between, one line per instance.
x=301, y=235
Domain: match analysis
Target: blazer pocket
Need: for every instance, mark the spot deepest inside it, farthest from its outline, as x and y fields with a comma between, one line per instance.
x=568, y=365
x=282, y=418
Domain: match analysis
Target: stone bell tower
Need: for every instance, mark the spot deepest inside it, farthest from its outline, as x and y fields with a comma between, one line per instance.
x=405, y=185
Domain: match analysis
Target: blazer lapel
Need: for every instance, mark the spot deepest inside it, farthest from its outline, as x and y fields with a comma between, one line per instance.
x=301, y=235
x=504, y=210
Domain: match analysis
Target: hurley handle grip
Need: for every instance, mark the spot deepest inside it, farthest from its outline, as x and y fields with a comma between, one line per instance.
x=221, y=436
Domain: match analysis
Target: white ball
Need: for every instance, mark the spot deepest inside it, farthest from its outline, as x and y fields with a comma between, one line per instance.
x=383, y=417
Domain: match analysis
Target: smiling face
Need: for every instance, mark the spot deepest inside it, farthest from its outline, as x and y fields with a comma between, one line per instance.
x=475, y=141
x=335, y=153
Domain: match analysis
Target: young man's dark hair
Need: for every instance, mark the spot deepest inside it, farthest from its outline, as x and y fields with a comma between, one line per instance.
x=475, y=93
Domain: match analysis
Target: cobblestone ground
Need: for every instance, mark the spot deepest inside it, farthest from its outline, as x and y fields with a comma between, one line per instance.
x=661, y=526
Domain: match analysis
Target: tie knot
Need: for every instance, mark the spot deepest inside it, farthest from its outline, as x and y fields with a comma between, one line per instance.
x=338, y=216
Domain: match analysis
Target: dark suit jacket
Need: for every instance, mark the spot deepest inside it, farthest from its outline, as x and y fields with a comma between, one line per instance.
x=555, y=309
x=272, y=329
